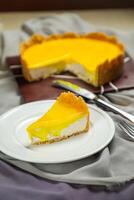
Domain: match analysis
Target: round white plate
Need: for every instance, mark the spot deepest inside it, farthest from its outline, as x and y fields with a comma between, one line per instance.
x=14, y=138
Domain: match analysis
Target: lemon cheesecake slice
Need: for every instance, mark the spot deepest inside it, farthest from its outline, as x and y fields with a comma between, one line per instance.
x=68, y=116
x=95, y=57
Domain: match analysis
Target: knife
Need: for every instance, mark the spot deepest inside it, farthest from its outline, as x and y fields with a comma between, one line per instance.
x=92, y=97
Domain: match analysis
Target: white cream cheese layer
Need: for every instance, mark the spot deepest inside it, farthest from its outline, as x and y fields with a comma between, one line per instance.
x=76, y=127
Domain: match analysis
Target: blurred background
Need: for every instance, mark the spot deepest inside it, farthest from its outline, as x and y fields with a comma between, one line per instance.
x=30, y=5
x=113, y=13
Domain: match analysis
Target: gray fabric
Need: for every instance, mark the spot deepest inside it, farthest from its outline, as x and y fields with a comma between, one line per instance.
x=113, y=165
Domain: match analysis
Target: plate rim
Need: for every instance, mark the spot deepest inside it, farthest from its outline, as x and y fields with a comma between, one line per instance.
x=11, y=154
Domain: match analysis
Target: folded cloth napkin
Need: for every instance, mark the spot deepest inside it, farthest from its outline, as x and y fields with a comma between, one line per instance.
x=112, y=166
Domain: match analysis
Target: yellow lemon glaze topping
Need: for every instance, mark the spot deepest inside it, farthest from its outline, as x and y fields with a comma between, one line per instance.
x=67, y=109
x=88, y=52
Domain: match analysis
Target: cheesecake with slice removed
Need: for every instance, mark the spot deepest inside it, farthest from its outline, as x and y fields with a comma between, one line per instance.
x=68, y=116
x=96, y=58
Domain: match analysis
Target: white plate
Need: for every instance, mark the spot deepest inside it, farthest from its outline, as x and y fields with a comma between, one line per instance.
x=13, y=135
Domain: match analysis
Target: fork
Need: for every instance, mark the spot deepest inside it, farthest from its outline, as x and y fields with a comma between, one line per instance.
x=127, y=128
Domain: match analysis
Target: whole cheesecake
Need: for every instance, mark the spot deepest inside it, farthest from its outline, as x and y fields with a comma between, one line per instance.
x=95, y=57
x=68, y=116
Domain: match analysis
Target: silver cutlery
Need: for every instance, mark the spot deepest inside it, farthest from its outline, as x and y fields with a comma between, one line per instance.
x=127, y=128
x=93, y=98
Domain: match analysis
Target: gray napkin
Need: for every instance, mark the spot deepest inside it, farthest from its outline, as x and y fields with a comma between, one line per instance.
x=114, y=165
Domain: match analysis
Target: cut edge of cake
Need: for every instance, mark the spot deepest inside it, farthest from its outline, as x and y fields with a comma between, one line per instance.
x=64, y=133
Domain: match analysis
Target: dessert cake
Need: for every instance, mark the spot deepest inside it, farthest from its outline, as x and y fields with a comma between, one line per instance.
x=68, y=116
x=95, y=57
